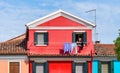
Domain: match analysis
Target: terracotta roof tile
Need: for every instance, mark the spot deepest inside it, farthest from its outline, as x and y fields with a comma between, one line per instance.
x=104, y=49
x=14, y=46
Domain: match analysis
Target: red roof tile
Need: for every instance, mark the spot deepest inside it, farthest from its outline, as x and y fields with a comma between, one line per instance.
x=104, y=49
x=14, y=46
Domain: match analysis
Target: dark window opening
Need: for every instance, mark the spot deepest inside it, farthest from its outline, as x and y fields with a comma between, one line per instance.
x=80, y=38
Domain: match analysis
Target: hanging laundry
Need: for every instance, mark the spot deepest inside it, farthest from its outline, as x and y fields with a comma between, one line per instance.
x=67, y=47
x=74, y=47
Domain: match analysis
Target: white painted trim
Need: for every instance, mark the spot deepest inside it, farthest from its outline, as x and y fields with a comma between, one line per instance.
x=14, y=61
x=41, y=45
x=11, y=57
x=47, y=16
x=76, y=61
x=61, y=28
x=78, y=31
x=41, y=31
x=57, y=14
x=40, y=61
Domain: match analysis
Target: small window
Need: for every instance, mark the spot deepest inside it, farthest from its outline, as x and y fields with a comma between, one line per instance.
x=41, y=38
x=77, y=35
x=14, y=67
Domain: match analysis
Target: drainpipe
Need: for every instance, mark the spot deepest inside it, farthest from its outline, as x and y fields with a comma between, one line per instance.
x=91, y=60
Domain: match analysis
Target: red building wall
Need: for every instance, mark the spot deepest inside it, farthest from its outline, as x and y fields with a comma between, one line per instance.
x=57, y=37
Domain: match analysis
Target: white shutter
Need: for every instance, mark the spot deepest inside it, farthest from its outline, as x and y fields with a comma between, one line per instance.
x=40, y=37
x=79, y=68
x=39, y=68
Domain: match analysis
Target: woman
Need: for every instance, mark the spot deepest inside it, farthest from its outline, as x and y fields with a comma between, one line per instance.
x=80, y=43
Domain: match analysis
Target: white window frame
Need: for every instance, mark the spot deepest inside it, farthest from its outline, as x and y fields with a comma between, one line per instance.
x=14, y=61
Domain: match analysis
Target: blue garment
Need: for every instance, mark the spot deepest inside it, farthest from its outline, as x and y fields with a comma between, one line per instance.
x=67, y=47
x=74, y=46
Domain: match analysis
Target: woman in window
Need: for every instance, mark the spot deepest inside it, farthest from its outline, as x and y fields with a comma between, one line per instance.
x=80, y=43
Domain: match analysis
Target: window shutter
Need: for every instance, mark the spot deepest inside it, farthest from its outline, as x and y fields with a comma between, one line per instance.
x=111, y=67
x=73, y=67
x=73, y=37
x=99, y=67
x=85, y=37
x=35, y=38
x=34, y=67
x=46, y=67
x=85, y=67
x=46, y=38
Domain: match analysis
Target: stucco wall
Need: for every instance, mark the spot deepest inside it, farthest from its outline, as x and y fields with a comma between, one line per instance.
x=6, y=59
x=3, y=66
x=116, y=66
x=24, y=66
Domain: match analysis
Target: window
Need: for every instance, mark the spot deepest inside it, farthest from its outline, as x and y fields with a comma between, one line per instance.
x=41, y=38
x=105, y=67
x=82, y=35
x=39, y=68
x=77, y=35
x=80, y=67
x=14, y=67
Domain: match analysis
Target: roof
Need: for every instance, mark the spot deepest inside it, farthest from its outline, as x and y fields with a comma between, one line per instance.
x=57, y=14
x=14, y=46
x=104, y=50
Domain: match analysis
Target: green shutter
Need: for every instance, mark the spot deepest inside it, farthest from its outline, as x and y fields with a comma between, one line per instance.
x=46, y=67
x=46, y=38
x=99, y=67
x=111, y=67
x=85, y=67
x=85, y=37
x=34, y=67
x=35, y=38
x=73, y=37
x=73, y=67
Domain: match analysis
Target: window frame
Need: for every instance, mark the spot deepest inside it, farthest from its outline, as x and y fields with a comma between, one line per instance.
x=14, y=61
x=42, y=32
x=84, y=33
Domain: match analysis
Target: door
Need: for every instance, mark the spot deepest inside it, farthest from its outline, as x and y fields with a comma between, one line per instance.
x=60, y=67
x=14, y=67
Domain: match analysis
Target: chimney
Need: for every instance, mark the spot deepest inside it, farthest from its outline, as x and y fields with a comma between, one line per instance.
x=97, y=42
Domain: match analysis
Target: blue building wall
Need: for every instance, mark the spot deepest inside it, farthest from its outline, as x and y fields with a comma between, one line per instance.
x=95, y=67
x=116, y=66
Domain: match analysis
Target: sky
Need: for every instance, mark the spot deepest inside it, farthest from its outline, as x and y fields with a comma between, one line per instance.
x=14, y=14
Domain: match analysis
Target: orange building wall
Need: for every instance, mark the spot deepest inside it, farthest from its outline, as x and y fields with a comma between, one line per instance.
x=24, y=66
x=3, y=66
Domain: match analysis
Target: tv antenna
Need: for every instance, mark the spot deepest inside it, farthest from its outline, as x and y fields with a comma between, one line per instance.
x=96, y=34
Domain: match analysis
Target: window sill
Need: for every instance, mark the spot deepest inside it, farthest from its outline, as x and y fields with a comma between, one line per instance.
x=40, y=45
